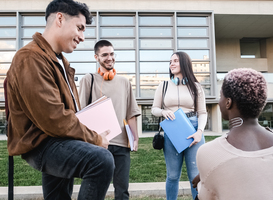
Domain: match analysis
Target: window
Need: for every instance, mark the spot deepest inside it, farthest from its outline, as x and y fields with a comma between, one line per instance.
x=253, y=48
x=194, y=39
x=143, y=42
x=121, y=32
x=156, y=34
x=149, y=121
x=7, y=47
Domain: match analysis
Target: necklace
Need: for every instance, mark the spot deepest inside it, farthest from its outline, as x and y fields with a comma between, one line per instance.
x=235, y=122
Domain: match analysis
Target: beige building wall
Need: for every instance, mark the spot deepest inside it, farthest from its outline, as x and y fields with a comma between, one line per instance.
x=269, y=54
x=228, y=57
x=219, y=7
x=216, y=119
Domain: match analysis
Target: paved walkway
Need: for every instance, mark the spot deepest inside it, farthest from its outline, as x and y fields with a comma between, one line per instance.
x=135, y=190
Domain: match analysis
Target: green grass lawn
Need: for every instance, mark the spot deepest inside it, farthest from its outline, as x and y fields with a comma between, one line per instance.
x=147, y=165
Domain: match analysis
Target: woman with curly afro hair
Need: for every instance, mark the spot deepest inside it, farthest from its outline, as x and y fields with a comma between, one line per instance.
x=238, y=165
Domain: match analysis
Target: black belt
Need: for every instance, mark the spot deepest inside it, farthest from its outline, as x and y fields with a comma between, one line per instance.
x=190, y=114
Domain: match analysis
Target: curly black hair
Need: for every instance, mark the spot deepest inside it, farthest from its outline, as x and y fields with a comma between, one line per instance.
x=248, y=89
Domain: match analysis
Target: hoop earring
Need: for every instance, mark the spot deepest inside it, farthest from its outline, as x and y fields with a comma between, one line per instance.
x=108, y=75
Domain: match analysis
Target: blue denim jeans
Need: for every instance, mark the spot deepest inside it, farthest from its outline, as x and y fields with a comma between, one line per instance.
x=60, y=160
x=174, y=162
x=121, y=172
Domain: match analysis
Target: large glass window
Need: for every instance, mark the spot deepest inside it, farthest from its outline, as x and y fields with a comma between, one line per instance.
x=121, y=32
x=156, y=46
x=194, y=39
x=192, y=32
x=143, y=42
x=155, y=32
x=155, y=21
x=8, y=45
x=154, y=43
x=117, y=20
x=192, y=21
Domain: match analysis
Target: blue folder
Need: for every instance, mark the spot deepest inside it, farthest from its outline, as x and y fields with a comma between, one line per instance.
x=178, y=130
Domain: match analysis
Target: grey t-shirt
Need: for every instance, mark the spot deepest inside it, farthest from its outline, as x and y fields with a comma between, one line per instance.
x=120, y=91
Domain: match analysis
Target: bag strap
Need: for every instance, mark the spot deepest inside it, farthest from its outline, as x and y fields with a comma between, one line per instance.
x=164, y=90
x=92, y=81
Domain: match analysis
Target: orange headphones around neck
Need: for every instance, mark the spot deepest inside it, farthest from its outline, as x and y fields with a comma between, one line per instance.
x=107, y=75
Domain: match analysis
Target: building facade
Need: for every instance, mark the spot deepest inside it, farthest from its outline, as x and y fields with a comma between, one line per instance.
x=218, y=36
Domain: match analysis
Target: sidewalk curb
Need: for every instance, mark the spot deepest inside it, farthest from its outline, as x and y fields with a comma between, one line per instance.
x=135, y=190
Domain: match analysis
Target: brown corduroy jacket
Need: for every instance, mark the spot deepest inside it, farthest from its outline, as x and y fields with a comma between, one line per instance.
x=39, y=99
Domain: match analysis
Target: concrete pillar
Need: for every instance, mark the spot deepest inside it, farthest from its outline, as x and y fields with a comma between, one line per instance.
x=139, y=122
x=216, y=119
x=269, y=52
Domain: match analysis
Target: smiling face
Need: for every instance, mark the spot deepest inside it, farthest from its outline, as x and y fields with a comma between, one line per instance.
x=72, y=32
x=106, y=58
x=175, y=65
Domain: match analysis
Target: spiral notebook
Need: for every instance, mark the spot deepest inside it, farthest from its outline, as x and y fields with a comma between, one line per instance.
x=178, y=130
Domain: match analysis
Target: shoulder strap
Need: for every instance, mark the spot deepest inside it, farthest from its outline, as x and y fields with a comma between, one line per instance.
x=92, y=81
x=164, y=90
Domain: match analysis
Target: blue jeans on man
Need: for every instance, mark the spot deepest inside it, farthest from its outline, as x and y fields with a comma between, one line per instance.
x=60, y=160
x=174, y=162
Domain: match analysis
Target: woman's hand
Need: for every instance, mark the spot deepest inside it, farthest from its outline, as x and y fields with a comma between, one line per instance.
x=197, y=136
x=168, y=114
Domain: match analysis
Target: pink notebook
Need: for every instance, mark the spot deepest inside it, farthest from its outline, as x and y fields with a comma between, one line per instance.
x=100, y=116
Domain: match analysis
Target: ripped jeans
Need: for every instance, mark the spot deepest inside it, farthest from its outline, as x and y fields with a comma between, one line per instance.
x=174, y=163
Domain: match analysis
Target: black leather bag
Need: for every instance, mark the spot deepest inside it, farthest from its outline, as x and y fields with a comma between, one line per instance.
x=158, y=140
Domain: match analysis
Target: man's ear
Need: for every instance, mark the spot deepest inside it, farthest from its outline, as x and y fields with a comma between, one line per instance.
x=229, y=103
x=59, y=19
x=96, y=57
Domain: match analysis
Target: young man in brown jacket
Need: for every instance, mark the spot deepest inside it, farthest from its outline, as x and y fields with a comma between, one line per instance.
x=43, y=99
